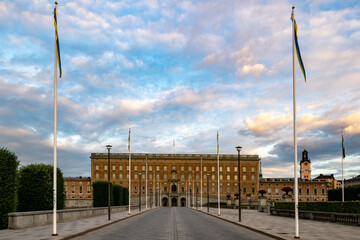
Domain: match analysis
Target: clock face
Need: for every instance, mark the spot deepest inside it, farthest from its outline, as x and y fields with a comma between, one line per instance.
x=306, y=164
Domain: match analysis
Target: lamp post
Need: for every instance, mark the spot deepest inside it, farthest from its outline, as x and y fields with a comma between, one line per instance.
x=139, y=191
x=208, y=190
x=238, y=148
x=108, y=148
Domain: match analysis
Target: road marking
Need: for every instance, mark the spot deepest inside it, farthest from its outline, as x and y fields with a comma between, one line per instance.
x=174, y=228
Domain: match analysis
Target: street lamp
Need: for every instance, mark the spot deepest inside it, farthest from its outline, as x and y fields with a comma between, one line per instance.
x=208, y=190
x=108, y=148
x=139, y=191
x=238, y=148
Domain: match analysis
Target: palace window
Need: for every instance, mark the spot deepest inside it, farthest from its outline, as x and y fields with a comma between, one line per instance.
x=244, y=177
x=252, y=169
x=80, y=189
x=105, y=175
x=114, y=175
x=213, y=169
x=96, y=175
x=182, y=168
x=189, y=168
x=105, y=167
x=197, y=176
x=228, y=177
x=157, y=167
x=213, y=177
x=205, y=168
x=150, y=168
x=120, y=167
x=228, y=169
x=197, y=168
x=165, y=167
x=135, y=168
x=143, y=168
x=165, y=176
x=113, y=167
x=97, y=167
x=236, y=177
x=235, y=169
x=221, y=177
x=135, y=176
x=120, y=175
x=221, y=168
x=182, y=176
x=244, y=168
x=253, y=177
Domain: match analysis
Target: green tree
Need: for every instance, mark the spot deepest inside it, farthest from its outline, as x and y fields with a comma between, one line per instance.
x=8, y=179
x=35, y=191
x=118, y=195
x=100, y=194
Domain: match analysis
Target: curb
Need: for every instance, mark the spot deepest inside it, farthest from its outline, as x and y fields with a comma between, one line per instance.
x=241, y=225
x=104, y=225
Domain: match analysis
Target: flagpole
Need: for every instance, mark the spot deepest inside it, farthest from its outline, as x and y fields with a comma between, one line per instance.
x=55, y=137
x=146, y=185
x=129, y=148
x=218, y=168
x=201, y=177
x=295, y=132
x=342, y=166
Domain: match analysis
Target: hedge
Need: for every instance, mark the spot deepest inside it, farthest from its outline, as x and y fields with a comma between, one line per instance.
x=350, y=194
x=35, y=191
x=8, y=180
x=125, y=196
x=100, y=194
x=118, y=195
x=334, y=206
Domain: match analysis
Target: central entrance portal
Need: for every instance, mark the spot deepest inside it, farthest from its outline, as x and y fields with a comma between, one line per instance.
x=174, y=202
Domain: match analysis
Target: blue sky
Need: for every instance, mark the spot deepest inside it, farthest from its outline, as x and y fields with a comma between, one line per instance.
x=181, y=70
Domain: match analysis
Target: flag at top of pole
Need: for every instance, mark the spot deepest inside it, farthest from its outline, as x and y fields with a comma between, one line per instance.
x=343, y=146
x=297, y=47
x=57, y=45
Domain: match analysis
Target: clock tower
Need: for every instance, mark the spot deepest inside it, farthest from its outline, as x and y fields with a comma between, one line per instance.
x=305, y=166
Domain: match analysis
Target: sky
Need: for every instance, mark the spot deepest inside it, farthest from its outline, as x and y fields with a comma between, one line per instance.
x=179, y=71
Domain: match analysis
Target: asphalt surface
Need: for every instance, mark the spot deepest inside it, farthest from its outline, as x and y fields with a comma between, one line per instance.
x=173, y=223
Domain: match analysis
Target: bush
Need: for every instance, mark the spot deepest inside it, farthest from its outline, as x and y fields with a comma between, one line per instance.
x=35, y=191
x=350, y=194
x=125, y=196
x=118, y=195
x=339, y=207
x=8, y=180
x=100, y=194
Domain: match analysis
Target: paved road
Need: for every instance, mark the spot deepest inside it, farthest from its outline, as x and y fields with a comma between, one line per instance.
x=173, y=223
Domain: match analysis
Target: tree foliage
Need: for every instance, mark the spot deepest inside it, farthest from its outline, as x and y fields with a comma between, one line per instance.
x=35, y=191
x=118, y=195
x=350, y=194
x=100, y=194
x=8, y=183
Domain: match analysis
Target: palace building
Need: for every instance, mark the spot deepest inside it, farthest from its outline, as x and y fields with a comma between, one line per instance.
x=176, y=179
x=309, y=189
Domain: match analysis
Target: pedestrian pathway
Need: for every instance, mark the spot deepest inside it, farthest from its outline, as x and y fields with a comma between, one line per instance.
x=284, y=227
x=65, y=230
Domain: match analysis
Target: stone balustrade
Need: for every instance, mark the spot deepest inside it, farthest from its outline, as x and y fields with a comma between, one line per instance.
x=19, y=220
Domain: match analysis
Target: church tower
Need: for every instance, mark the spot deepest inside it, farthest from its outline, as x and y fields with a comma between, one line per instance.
x=305, y=166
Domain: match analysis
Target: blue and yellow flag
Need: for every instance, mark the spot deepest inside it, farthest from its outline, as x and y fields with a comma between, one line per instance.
x=298, y=49
x=57, y=42
x=129, y=139
x=343, y=146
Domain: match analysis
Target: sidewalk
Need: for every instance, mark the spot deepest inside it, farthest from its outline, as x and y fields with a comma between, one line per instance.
x=66, y=229
x=284, y=227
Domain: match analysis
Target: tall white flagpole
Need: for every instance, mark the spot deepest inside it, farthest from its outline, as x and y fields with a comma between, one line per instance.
x=129, y=148
x=201, y=177
x=146, y=198
x=295, y=132
x=218, y=168
x=55, y=138
x=342, y=167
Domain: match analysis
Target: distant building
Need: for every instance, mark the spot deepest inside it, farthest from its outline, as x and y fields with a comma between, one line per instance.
x=171, y=176
x=355, y=181
x=78, y=187
x=332, y=183
x=309, y=190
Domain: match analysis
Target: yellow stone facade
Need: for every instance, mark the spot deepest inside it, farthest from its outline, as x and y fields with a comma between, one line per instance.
x=180, y=172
